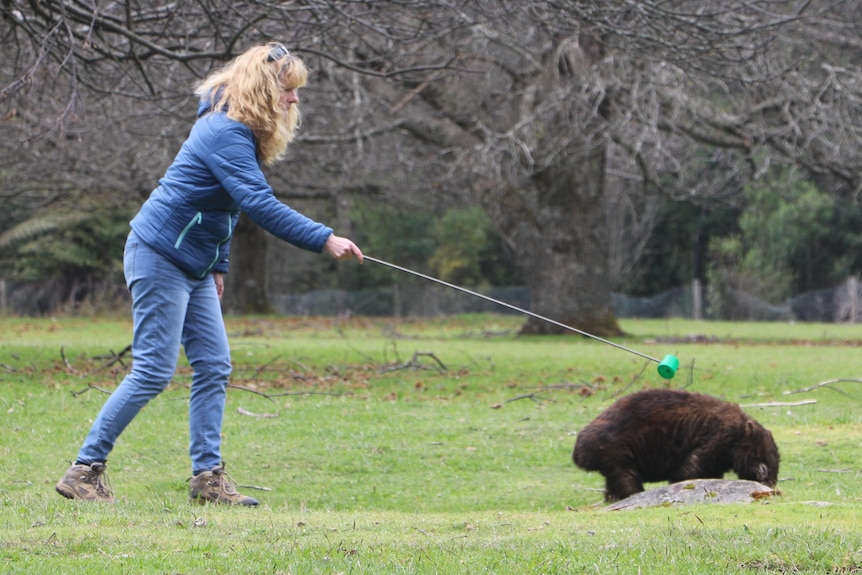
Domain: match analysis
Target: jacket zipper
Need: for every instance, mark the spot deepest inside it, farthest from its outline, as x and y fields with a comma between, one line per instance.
x=195, y=220
x=218, y=249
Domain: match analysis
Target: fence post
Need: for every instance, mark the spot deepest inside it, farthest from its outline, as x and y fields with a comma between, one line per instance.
x=853, y=288
x=2, y=296
x=696, y=300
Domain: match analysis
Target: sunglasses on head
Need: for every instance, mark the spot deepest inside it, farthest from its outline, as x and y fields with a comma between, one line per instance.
x=276, y=52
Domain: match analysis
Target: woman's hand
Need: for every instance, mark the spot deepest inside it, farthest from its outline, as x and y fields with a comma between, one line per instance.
x=219, y=282
x=342, y=248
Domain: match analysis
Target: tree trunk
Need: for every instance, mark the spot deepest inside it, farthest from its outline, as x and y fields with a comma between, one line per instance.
x=555, y=222
x=555, y=218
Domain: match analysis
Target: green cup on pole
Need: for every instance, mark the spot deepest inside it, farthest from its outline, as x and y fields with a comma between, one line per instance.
x=668, y=366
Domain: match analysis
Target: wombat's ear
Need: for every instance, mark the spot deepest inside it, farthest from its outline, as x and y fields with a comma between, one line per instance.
x=750, y=427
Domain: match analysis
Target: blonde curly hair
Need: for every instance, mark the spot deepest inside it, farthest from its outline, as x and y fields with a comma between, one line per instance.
x=249, y=88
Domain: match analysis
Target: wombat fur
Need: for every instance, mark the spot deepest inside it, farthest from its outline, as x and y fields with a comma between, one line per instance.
x=673, y=435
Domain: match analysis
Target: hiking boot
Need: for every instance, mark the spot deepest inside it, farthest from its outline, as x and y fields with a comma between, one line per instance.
x=86, y=482
x=215, y=486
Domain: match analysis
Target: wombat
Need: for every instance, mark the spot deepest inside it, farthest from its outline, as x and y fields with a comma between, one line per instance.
x=672, y=435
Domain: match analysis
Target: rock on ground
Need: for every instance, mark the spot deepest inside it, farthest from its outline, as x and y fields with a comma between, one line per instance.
x=697, y=491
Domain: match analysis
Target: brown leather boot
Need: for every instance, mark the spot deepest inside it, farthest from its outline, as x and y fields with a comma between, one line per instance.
x=86, y=482
x=215, y=486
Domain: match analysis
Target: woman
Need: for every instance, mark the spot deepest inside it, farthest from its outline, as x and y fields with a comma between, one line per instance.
x=178, y=249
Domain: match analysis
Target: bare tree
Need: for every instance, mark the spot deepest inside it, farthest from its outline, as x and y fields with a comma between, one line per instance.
x=536, y=109
x=688, y=100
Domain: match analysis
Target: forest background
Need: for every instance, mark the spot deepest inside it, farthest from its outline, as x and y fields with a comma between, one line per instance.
x=580, y=149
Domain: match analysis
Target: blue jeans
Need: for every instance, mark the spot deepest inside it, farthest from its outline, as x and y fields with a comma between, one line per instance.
x=169, y=309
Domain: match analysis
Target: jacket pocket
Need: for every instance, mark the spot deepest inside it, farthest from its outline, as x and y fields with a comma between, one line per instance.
x=195, y=221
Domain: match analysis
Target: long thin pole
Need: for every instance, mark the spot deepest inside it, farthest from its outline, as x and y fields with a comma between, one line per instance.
x=510, y=306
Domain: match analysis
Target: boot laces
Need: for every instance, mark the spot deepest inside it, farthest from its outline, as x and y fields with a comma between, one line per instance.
x=98, y=477
x=225, y=481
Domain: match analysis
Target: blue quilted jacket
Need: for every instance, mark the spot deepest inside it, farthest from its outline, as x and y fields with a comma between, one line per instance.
x=190, y=217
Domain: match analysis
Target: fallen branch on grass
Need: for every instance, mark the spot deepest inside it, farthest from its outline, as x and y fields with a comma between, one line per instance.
x=112, y=357
x=116, y=357
x=826, y=383
x=416, y=364
x=780, y=403
x=530, y=396
x=260, y=369
x=271, y=395
x=259, y=488
x=88, y=388
x=634, y=380
x=66, y=361
x=284, y=393
x=242, y=411
x=254, y=391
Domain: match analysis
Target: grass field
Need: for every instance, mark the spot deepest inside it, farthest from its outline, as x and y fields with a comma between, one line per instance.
x=419, y=447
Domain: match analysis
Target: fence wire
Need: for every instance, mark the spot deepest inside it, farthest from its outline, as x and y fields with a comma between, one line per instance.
x=841, y=304
x=836, y=305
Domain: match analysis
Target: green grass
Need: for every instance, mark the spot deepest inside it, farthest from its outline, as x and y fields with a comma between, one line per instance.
x=376, y=459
